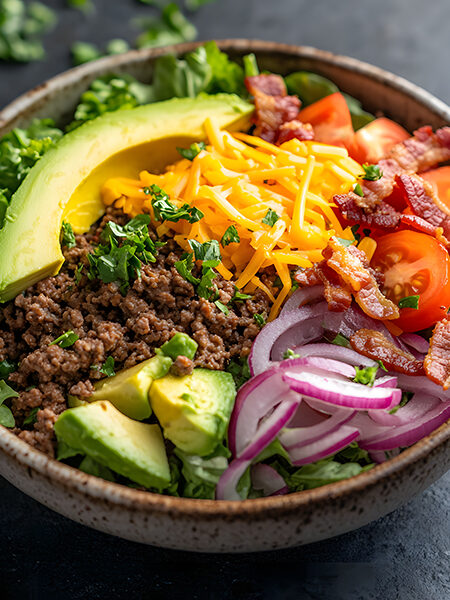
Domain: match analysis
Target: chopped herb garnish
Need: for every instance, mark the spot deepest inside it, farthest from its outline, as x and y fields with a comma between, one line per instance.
x=372, y=172
x=32, y=416
x=290, y=354
x=358, y=190
x=230, y=236
x=208, y=252
x=409, y=302
x=164, y=210
x=365, y=375
x=271, y=218
x=6, y=367
x=240, y=296
x=193, y=150
x=107, y=368
x=341, y=340
x=222, y=307
x=65, y=340
x=406, y=397
x=381, y=365
x=184, y=267
x=259, y=319
x=67, y=235
x=6, y=416
x=206, y=288
x=239, y=369
x=344, y=242
x=77, y=275
x=250, y=65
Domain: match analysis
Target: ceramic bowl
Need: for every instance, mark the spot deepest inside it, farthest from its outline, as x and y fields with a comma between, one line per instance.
x=261, y=524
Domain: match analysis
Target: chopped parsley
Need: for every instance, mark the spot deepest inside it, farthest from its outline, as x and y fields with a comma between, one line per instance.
x=77, y=275
x=341, y=340
x=259, y=319
x=381, y=365
x=230, y=236
x=65, y=340
x=372, y=172
x=208, y=252
x=107, y=368
x=365, y=375
x=193, y=150
x=222, y=307
x=32, y=417
x=67, y=235
x=271, y=218
x=358, y=190
x=164, y=210
x=6, y=367
x=409, y=302
x=125, y=250
x=290, y=354
x=240, y=296
x=184, y=267
x=206, y=288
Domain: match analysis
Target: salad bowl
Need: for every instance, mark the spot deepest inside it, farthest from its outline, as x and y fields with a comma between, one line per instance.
x=260, y=523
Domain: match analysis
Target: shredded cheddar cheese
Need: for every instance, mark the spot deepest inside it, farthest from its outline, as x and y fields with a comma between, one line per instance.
x=236, y=180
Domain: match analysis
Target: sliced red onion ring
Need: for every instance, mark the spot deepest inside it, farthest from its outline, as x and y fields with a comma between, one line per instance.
x=419, y=383
x=301, y=297
x=386, y=381
x=416, y=408
x=227, y=484
x=269, y=481
x=409, y=433
x=324, y=447
x=318, y=362
x=293, y=328
x=417, y=342
x=379, y=456
x=346, y=355
x=352, y=320
x=342, y=393
x=296, y=437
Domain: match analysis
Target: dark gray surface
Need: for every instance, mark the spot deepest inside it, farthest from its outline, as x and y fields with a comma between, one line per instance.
x=404, y=556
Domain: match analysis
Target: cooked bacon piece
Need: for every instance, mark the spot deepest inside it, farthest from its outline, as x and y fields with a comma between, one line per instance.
x=295, y=129
x=272, y=85
x=423, y=150
x=375, y=191
x=437, y=361
x=363, y=211
x=273, y=107
x=420, y=197
x=338, y=295
x=376, y=346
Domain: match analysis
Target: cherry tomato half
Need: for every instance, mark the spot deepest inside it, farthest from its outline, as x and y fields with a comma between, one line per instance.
x=415, y=264
x=330, y=118
x=372, y=142
x=440, y=180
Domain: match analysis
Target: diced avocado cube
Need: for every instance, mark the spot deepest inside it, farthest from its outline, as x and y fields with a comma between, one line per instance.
x=128, y=389
x=194, y=410
x=180, y=345
x=132, y=449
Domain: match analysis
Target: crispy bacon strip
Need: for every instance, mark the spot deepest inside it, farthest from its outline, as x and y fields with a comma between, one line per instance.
x=378, y=215
x=295, y=129
x=376, y=346
x=338, y=296
x=273, y=107
x=437, y=361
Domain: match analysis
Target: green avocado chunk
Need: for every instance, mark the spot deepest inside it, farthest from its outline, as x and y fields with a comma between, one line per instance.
x=29, y=241
x=194, y=410
x=128, y=389
x=180, y=345
x=132, y=449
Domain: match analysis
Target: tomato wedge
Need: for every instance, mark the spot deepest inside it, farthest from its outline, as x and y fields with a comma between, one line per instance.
x=372, y=142
x=330, y=118
x=415, y=264
x=440, y=180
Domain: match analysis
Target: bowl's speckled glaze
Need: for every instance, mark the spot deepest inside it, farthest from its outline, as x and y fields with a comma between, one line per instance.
x=266, y=523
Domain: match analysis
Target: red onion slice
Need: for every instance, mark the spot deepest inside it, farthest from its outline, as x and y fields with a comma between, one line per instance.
x=416, y=342
x=409, y=433
x=324, y=447
x=386, y=381
x=345, y=355
x=269, y=481
x=342, y=393
x=227, y=484
x=411, y=383
x=416, y=408
x=296, y=437
x=301, y=297
x=323, y=364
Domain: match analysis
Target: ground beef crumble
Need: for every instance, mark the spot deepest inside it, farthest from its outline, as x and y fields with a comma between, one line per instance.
x=128, y=328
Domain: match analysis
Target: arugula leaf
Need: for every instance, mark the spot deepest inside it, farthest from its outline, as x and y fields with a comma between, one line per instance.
x=7, y=367
x=360, y=117
x=193, y=150
x=365, y=375
x=108, y=94
x=164, y=210
x=67, y=235
x=32, y=416
x=222, y=307
x=358, y=190
x=239, y=369
x=309, y=87
x=271, y=218
x=259, y=319
x=290, y=354
x=372, y=172
x=201, y=474
x=21, y=28
x=20, y=149
x=6, y=392
x=250, y=65
x=171, y=28
x=208, y=252
x=184, y=267
x=66, y=340
x=230, y=236
x=6, y=416
x=409, y=302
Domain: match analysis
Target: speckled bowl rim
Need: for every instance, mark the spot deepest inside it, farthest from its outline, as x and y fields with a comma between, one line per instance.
x=130, y=498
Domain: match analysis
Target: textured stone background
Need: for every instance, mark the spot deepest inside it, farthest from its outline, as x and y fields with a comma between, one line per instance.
x=406, y=555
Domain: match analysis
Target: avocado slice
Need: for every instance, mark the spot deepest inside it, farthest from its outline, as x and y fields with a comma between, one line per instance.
x=29, y=241
x=179, y=345
x=132, y=449
x=194, y=410
x=128, y=389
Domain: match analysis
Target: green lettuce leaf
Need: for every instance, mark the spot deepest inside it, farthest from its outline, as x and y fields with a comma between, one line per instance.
x=201, y=474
